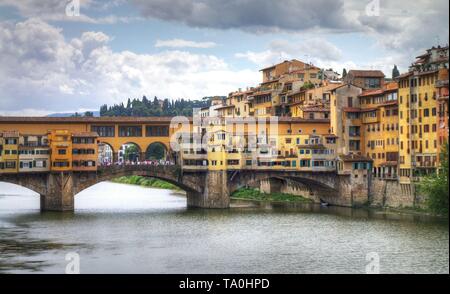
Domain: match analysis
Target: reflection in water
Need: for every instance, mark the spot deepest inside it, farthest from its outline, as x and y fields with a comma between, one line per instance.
x=128, y=229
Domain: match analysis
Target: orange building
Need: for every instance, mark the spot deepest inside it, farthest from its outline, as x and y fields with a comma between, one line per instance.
x=365, y=79
x=84, y=151
x=442, y=98
x=61, y=150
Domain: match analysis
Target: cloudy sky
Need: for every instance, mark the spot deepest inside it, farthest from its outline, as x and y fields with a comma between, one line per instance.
x=54, y=59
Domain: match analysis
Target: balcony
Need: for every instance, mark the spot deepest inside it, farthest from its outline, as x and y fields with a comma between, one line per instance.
x=195, y=167
x=323, y=168
x=420, y=164
x=368, y=120
x=195, y=156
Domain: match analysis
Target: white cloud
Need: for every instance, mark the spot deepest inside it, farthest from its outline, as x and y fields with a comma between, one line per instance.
x=180, y=43
x=43, y=71
x=258, y=16
x=55, y=10
x=310, y=50
x=401, y=26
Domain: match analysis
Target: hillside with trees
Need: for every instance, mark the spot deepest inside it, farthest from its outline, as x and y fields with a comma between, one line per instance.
x=155, y=107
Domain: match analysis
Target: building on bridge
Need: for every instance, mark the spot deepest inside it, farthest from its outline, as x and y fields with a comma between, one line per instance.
x=84, y=151
x=9, y=151
x=34, y=153
x=60, y=150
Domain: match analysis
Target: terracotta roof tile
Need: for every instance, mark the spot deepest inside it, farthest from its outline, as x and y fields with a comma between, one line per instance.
x=354, y=157
x=9, y=134
x=103, y=119
x=85, y=134
x=367, y=73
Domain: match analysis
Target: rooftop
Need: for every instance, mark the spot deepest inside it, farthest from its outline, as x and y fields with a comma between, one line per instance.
x=366, y=73
x=103, y=119
x=9, y=134
x=85, y=134
x=315, y=108
x=354, y=157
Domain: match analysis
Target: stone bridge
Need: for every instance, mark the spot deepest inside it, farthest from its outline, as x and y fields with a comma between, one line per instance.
x=205, y=189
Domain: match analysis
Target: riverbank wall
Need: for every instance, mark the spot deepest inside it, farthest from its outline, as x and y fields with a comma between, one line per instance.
x=383, y=193
x=391, y=193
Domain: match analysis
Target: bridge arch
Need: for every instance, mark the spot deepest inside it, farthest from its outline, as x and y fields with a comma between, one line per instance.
x=106, y=153
x=182, y=186
x=36, y=182
x=156, y=150
x=130, y=151
x=323, y=185
x=170, y=174
x=28, y=188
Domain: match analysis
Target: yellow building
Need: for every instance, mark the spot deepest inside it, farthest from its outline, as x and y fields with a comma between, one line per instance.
x=380, y=124
x=9, y=151
x=319, y=111
x=418, y=115
x=61, y=150
x=236, y=105
x=261, y=103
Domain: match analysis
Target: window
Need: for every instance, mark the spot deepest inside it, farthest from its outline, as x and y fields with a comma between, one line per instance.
x=83, y=140
x=62, y=151
x=130, y=131
x=104, y=131
x=10, y=164
x=354, y=145
x=349, y=101
x=372, y=83
x=426, y=112
x=61, y=164
x=156, y=131
x=354, y=131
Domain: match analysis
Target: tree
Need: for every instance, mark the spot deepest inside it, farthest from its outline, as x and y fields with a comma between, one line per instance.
x=395, y=72
x=344, y=73
x=435, y=186
x=131, y=152
x=89, y=114
x=308, y=85
x=156, y=107
x=156, y=151
x=103, y=110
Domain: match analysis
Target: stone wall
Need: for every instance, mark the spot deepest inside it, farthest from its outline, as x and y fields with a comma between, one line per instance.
x=215, y=194
x=272, y=185
x=390, y=193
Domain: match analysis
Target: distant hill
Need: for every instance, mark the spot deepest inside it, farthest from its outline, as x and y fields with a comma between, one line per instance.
x=69, y=114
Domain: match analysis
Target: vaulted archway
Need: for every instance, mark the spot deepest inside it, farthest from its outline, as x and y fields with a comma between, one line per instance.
x=156, y=151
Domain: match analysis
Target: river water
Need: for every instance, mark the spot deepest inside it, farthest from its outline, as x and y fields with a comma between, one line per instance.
x=120, y=228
